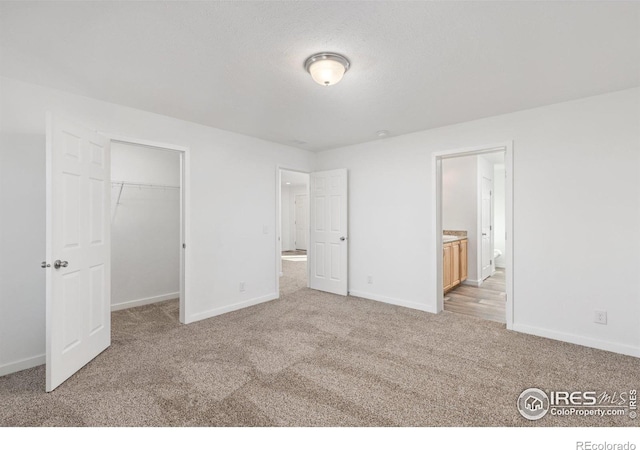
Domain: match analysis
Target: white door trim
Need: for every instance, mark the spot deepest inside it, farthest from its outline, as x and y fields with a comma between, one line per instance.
x=185, y=208
x=436, y=236
x=278, y=223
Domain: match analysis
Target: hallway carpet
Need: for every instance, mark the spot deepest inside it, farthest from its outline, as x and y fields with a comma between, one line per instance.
x=314, y=359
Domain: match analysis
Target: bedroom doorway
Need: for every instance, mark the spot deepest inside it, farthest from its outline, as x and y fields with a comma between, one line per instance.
x=293, y=230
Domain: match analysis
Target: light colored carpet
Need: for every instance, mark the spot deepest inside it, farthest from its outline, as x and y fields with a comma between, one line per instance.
x=313, y=359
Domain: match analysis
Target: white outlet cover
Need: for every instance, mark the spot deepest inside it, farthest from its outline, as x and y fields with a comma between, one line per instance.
x=600, y=317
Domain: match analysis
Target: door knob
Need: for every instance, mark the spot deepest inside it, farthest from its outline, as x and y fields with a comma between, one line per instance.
x=57, y=263
x=342, y=238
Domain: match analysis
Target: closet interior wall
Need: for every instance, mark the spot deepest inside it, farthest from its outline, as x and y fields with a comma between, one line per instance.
x=145, y=225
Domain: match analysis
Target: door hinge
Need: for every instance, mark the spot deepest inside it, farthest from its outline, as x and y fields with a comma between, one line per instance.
x=44, y=264
x=184, y=245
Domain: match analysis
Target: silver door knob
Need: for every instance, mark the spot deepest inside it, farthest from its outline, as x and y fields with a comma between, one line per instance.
x=57, y=263
x=342, y=238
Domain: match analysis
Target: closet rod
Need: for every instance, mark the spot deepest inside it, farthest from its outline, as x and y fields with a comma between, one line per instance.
x=146, y=185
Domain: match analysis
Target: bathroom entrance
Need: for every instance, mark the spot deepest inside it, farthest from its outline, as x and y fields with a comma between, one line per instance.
x=472, y=232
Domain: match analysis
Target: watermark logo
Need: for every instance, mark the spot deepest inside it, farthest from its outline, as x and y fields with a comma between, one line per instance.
x=533, y=404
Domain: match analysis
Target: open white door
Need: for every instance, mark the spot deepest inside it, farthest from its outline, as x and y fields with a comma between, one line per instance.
x=328, y=249
x=78, y=263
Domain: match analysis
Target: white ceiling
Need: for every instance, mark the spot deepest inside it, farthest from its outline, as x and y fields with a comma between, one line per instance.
x=238, y=65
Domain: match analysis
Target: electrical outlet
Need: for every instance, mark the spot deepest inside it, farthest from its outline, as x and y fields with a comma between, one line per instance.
x=600, y=317
x=243, y=286
x=369, y=279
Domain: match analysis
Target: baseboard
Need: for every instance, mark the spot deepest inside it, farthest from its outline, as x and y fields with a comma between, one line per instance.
x=23, y=364
x=476, y=283
x=144, y=301
x=392, y=301
x=579, y=340
x=234, y=307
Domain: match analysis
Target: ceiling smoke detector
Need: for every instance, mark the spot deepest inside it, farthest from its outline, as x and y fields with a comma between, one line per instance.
x=325, y=68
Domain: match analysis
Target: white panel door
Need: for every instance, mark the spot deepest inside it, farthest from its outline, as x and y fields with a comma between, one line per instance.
x=328, y=232
x=302, y=223
x=78, y=288
x=487, y=213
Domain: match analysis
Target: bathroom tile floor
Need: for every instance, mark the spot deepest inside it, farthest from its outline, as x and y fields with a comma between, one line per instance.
x=487, y=301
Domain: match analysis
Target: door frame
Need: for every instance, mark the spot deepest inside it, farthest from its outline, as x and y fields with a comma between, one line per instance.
x=185, y=204
x=278, y=222
x=436, y=235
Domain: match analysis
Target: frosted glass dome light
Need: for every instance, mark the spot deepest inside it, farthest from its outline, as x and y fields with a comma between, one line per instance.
x=327, y=68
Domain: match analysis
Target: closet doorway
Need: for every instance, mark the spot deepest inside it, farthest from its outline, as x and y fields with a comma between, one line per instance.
x=147, y=227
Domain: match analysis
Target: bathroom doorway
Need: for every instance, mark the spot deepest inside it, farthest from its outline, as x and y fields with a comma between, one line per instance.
x=473, y=223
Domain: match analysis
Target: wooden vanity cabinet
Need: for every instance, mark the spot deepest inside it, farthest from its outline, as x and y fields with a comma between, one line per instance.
x=463, y=260
x=446, y=266
x=454, y=263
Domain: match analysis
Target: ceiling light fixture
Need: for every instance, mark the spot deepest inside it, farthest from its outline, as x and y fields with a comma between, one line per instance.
x=326, y=68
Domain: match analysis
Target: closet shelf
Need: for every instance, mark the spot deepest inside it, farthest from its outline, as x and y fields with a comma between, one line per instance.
x=122, y=184
x=143, y=185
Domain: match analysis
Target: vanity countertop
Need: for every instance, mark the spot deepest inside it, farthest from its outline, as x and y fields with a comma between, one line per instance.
x=447, y=238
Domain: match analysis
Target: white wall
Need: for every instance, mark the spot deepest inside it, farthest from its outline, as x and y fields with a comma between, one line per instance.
x=145, y=226
x=146, y=165
x=499, y=203
x=576, y=168
x=460, y=205
x=22, y=302
x=231, y=191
